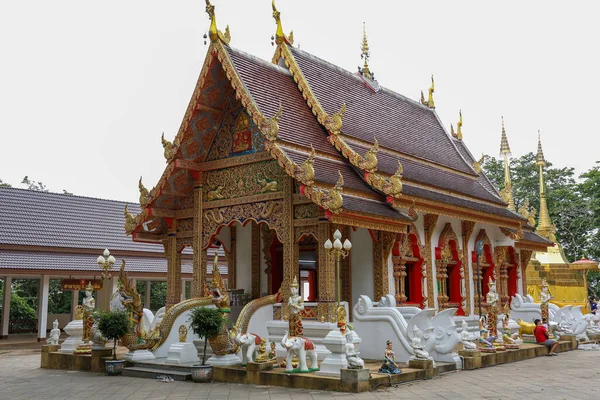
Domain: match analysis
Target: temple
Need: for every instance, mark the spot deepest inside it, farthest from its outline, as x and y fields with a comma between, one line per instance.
x=272, y=157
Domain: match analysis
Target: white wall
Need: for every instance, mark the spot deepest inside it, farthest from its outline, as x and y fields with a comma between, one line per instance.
x=243, y=257
x=391, y=283
x=362, y=264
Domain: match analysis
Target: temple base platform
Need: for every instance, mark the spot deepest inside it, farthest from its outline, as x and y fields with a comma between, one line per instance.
x=477, y=359
x=52, y=358
x=270, y=374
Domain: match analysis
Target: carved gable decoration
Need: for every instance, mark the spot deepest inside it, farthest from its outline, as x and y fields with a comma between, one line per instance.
x=242, y=137
x=448, y=245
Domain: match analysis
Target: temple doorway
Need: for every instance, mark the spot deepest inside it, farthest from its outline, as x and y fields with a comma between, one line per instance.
x=307, y=265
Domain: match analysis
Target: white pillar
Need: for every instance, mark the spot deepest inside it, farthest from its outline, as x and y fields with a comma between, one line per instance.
x=74, y=302
x=182, y=289
x=147, y=297
x=134, y=282
x=6, y=307
x=43, y=306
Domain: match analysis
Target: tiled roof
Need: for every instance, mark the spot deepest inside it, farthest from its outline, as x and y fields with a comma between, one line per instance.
x=33, y=218
x=533, y=237
x=22, y=261
x=398, y=122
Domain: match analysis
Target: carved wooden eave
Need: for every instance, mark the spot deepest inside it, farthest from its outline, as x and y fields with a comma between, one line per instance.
x=435, y=207
x=389, y=186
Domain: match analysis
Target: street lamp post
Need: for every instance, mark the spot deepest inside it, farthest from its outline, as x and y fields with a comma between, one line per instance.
x=338, y=250
x=105, y=263
x=479, y=251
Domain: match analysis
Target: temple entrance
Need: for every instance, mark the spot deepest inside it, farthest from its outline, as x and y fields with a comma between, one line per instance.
x=408, y=274
x=449, y=265
x=308, y=266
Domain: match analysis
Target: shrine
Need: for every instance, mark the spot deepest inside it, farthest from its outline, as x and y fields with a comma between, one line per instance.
x=273, y=161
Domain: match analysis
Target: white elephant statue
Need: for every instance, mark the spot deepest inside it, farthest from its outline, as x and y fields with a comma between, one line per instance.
x=249, y=343
x=302, y=347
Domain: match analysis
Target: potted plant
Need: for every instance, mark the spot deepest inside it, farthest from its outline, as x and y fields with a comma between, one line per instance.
x=113, y=325
x=204, y=322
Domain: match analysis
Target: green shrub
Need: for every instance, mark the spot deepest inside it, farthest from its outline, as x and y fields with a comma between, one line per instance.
x=206, y=322
x=112, y=325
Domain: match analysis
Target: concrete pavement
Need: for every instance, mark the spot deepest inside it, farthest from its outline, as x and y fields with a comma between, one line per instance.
x=571, y=375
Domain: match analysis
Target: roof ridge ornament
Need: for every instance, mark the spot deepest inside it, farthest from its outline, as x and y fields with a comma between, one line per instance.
x=271, y=127
x=429, y=102
x=369, y=161
x=279, y=35
x=365, y=54
x=334, y=123
x=477, y=164
x=131, y=221
x=170, y=149
x=459, y=124
x=145, y=196
x=213, y=32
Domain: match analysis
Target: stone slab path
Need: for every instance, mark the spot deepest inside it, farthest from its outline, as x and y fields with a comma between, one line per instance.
x=571, y=375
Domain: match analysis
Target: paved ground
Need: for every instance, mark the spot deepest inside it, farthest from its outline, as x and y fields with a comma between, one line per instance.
x=572, y=375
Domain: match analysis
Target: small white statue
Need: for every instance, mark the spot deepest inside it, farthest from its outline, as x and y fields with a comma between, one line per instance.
x=465, y=338
x=54, y=334
x=418, y=348
x=354, y=361
x=592, y=328
x=89, y=303
x=545, y=295
x=492, y=296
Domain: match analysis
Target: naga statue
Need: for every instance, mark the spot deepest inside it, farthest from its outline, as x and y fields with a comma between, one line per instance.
x=223, y=343
x=138, y=337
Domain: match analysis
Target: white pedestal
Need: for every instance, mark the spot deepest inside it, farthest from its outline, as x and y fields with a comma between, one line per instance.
x=182, y=353
x=336, y=360
x=224, y=360
x=139, y=355
x=75, y=331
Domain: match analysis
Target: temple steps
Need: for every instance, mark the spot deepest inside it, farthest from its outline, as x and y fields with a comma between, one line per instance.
x=154, y=373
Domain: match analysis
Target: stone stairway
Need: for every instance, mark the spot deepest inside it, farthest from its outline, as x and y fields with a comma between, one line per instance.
x=155, y=369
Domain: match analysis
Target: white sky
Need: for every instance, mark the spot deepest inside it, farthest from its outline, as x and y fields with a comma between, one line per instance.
x=87, y=87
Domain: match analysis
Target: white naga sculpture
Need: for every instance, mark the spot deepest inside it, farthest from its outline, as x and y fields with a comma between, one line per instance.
x=54, y=334
x=465, y=338
x=417, y=346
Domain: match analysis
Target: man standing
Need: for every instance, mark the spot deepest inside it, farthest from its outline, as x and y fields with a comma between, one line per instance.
x=541, y=337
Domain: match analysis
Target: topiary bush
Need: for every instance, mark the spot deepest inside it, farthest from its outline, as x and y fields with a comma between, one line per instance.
x=206, y=322
x=113, y=325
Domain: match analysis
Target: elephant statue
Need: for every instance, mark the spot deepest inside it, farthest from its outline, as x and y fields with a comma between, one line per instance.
x=301, y=347
x=249, y=343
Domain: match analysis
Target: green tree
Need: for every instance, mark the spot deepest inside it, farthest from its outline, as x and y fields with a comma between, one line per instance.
x=590, y=189
x=568, y=208
x=158, y=295
x=4, y=184
x=33, y=185
x=59, y=301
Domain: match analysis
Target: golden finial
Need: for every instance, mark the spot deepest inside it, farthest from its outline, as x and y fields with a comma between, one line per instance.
x=291, y=37
x=212, y=31
x=365, y=71
x=459, y=126
x=89, y=287
x=429, y=102
x=504, y=147
x=539, y=159
x=545, y=226
x=279, y=35
x=294, y=283
x=506, y=192
x=227, y=35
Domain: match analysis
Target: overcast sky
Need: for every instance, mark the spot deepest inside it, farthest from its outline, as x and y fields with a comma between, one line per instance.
x=87, y=87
